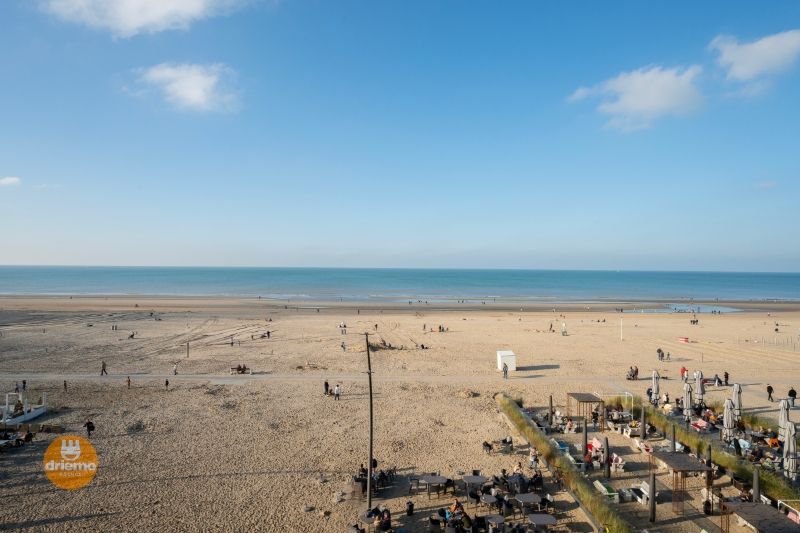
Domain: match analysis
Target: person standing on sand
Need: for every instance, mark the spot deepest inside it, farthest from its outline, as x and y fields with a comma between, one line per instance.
x=89, y=425
x=65, y=385
x=336, y=392
x=725, y=376
x=129, y=382
x=505, y=371
x=166, y=384
x=792, y=396
x=769, y=392
x=103, y=368
x=325, y=388
x=175, y=369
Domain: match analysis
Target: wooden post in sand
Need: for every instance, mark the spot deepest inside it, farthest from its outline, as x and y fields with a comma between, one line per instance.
x=550, y=413
x=369, y=471
x=187, y=349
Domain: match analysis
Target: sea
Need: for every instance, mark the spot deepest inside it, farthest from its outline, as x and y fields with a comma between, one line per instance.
x=404, y=284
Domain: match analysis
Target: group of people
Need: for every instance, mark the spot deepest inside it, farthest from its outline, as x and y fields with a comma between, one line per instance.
x=663, y=356
x=633, y=373
x=336, y=392
x=791, y=396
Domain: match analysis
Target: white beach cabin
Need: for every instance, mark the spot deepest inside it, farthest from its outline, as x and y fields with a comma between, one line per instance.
x=507, y=357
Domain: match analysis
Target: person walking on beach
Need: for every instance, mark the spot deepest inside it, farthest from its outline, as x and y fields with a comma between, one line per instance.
x=325, y=388
x=65, y=385
x=344, y=347
x=336, y=392
x=505, y=371
x=129, y=382
x=103, y=368
x=792, y=396
x=24, y=385
x=725, y=376
x=769, y=392
x=166, y=384
x=89, y=425
x=175, y=369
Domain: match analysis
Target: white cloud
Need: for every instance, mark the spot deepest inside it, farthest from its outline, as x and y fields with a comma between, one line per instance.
x=193, y=87
x=10, y=181
x=126, y=18
x=769, y=55
x=766, y=184
x=633, y=100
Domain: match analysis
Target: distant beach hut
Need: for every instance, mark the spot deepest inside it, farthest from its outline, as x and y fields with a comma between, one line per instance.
x=509, y=358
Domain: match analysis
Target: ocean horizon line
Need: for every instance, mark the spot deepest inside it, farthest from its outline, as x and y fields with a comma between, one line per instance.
x=437, y=268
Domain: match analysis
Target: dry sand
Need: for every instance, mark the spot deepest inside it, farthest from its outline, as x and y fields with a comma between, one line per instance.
x=220, y=452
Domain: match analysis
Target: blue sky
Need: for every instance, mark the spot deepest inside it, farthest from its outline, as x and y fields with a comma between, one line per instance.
x=377, y=133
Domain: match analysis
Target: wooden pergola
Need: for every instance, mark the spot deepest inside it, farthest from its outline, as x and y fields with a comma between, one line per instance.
x=680, y=464
x=585, y=403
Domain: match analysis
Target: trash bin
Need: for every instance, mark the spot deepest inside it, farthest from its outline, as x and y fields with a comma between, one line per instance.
x=409, y=508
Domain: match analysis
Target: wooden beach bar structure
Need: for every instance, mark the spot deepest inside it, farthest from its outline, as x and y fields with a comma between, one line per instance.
x=585, y=403
x=680, y=464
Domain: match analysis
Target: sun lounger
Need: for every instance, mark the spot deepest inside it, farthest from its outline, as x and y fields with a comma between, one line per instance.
x=617, y=463
x=607, y=491
x=642, y=446
x=642, y=493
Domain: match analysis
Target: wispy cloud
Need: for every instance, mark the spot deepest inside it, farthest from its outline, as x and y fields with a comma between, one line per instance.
x=748, y=62
x=633, y=100
x=126, y=18
x=10, y=181
x=766, y=184
x=193, y=87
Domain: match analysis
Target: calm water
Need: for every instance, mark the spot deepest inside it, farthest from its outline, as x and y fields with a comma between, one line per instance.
x=401, y=284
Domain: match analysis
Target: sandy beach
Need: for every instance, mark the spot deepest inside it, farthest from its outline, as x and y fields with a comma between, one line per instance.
x=222, y=452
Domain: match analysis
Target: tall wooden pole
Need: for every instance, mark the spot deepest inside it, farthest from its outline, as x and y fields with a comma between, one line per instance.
x=606, y=458
x=187, y=349
x=651, y=498
x=369, y=470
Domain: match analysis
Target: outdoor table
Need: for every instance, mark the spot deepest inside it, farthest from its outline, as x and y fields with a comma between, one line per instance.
x=494, y=519
x=474, y=480
x=488, y=499
x=529, y=497
x=432, y=480
x=542, y=519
